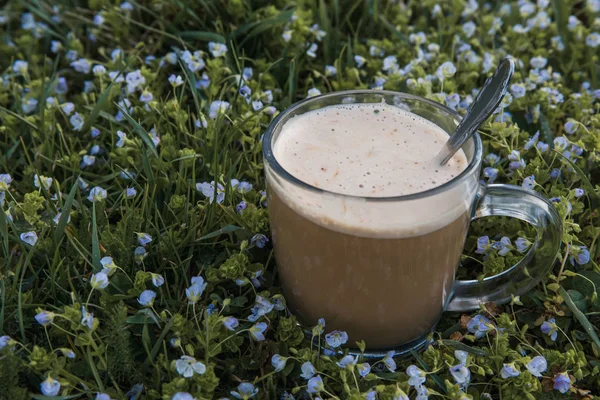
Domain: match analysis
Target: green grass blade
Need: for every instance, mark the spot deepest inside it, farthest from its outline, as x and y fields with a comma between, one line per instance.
x=14, y=114
x=4, y=232
x=585, y=323
x=141, y=132
x=95, y=241
x=224, y=230
x=561, y=15
x=64, y=216
x=461, y=346
x=262, y=26
x=100, y=105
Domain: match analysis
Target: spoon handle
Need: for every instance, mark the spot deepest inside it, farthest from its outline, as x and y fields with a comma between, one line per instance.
x=486, y=101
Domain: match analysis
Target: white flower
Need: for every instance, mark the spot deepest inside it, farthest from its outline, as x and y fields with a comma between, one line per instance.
x=50, y=387
x=99, y=280
x=593, y=40
x=97, y=194
x=313, y=92
x=311, y=52
x=30, y=238
x=41, y=180
x=175, y=80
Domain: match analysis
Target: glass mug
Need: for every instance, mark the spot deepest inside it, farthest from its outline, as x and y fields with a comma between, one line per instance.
x=387, y=289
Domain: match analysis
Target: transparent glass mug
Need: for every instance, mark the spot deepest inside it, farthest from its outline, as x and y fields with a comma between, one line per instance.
x=381, y=286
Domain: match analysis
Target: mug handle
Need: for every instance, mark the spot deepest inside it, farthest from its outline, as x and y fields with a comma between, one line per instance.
x=526, y=205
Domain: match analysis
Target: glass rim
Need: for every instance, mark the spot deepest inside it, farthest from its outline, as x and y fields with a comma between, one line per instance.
x=269, y=156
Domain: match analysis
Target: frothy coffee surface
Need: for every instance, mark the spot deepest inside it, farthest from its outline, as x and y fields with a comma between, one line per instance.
x=371, y=150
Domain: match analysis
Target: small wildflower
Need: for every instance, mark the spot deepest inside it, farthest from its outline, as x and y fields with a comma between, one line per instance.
x=537, y=365
x=593, y=40
x=30, y=237
x=336, y=339
x=157, y=280
x=97, y=194
x=241, y=207
x=108, y=265
x=99, y=280
x=529, y=182
x=20, y=67
x=562, y=382
x=550, y=328
x=208, y=190
x=308, y=370
x=579, y=255
x=187, y=366
x=175, y=80
x=360, y=61
x=259, y=240
x=130, y=192
x=143, y=238
x=68, y=353
x=313, y=92
x=217, y=49
x=257, y=331
x=509, y=371
x=315, y=385
x=330, y=70
x=5, y=341
x=194, y=292
x=217, y=108
x=278, y=362
x=461, y=374
x=522, y=244
x=538, y=62
x=139, y=254
x=389, y=362
x=44, y=318
x=245, y=390
x=146, y=298
x=312, y=50
x=363, y=369
x=503, y=246
x=483, y=245
x=146, y=97
x=446, y=70
x=416, y=376
x=479, y=325
x=571, y=127
x=231, y=323
x=87, y=319
x=491, y=174
x=50, y=387
x=102, y=396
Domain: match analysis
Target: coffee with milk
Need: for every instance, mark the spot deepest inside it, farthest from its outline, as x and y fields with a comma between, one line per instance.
x=367, y=268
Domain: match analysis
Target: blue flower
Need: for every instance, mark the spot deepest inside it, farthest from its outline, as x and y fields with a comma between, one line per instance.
x=5, y=341
x=20, y=67
x=313, y=92
x=593, y=40
x=537, y=365
x=30, y=237
x=87, y=161
x=389, y=361
x=126, y=6
x=147, y=298
x=561, y=143
x=76, y=121
x=492, y=159
x=532, y=141
x=452, y=100
x=99, y=280
x=491, y=174
x=509, y=371
x=218, y=107
x=543, y=147
x=139, y=254
x=580, y=255
x=522, y=244
x=260, y=308
x=571, y=126
x=50, y=387
x=336, y=339
x=257, y=105
x=203, y=82
x=446, y=70
x=562, y=382
x=360, y=61
x=44, y=318
x=330, y=70
x=247, y=73
x=308, y=370
x=315, y=385
x=312, y=50
x=363, y=369
x=231, y=323
x=68, y=353
x=461, y=375
x=550, y=328
x=82, y=65
x=518, y=90
x=347, y=362
x=503, y=246
x=579, y=192
x=245, y=390
x=555, y=173
x=217, y=49
x=416, y=376
x=87, y=318
x=97, y=194
x=102, y=396
x=259, y=240
x=483, y=245
x=144, y=239
x=529, y=182
x=182, y=396
x=538, y=62
x=479, y=325
x=146, y=97
x=194, y=292
x=94, y=132
x=187, y=366
x=28, y=105
x=241, y=207
x=469, y=29
x=157, y=280
x=278, y=362
x=257, y=331
x=175, y=80
x=130, y=192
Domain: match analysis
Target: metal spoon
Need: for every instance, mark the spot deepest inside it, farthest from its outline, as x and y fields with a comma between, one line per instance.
x=487, y=100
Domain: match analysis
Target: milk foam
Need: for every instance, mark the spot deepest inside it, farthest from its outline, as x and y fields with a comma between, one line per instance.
x=370, y=150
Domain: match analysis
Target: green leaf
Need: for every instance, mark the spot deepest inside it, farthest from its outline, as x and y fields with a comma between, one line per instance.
x=4, y=232
x=561, y=15
x=426, y=368
x=141, y=132
x=95, y=241
x=31, y=125
x=64, y=216
x=225, y=229
x=141, y=317
x=585, y=323
x=200, y=35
